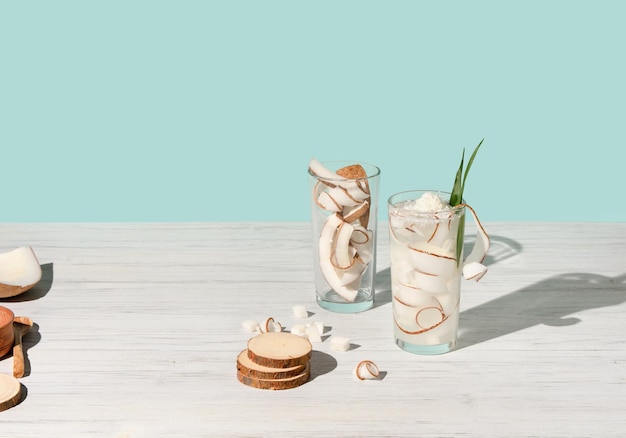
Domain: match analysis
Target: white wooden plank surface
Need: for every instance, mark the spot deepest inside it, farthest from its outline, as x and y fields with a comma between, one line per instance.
x=138, y=327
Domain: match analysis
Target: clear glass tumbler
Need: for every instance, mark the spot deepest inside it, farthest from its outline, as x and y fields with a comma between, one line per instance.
x=426, y=252
x=344, y=199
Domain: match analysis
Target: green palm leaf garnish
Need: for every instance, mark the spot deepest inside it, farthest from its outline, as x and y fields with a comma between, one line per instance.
x=456, y=197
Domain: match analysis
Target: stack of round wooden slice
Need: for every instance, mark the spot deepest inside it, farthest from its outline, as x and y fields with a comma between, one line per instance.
x=275, y=360
x=10, y=391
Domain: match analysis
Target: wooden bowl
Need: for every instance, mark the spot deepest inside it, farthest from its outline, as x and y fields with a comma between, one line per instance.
x=7, y=335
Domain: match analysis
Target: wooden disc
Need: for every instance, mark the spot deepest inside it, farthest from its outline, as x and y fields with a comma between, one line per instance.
x=10, y=391
x=279, y=350
x=251, y=369
x=275, y=384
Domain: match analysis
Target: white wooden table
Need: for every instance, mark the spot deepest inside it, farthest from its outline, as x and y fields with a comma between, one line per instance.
x=138, y=327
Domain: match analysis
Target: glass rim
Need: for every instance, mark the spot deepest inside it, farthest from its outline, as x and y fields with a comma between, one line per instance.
x=367, y=166
x=456, y=209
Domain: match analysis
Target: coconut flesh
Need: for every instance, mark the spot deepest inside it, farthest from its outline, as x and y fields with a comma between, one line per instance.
x=19, y=271
x=425, y=273
x=345, y=241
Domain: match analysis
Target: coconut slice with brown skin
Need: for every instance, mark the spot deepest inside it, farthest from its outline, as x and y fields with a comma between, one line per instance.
x=351, y=180
x=366, y=370
x=358, y=212
x=327, y=248
x=481, y=246
x=19, y=271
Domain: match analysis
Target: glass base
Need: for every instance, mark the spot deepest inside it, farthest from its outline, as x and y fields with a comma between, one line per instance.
x=426, y=349
x=345, y=307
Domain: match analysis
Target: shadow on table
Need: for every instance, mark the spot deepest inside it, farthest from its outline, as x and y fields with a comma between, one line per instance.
x=321, y=363
x=382, y=288
x=501, y=248
x=38, y=291
x=550, y=302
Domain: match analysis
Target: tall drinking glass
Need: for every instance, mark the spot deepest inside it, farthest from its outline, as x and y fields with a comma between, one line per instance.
x=426, y=251
x=344, y=199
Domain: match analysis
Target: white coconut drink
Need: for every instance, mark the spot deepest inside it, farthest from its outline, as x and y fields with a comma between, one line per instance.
x=426, y=232
x=344, y=198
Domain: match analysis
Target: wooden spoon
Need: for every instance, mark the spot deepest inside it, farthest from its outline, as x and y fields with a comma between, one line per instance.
x=21, y=326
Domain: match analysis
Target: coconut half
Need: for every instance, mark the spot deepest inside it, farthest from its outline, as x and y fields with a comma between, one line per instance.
x=19, y=271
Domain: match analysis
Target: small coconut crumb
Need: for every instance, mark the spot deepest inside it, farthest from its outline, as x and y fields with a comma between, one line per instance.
x=250, y=325
x=299, y=329
x=300, y=311
x=313, y=334
x=339, y=343
x=320, y=326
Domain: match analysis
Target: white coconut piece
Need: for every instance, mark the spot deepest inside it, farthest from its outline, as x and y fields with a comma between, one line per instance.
x=431, y=262
x=434, y=284
x=271, y=325
x=362, y=240
x=481, y=246
x=429, y=317
x=352, y=189
x=351, y=214
x=446, y=229
x=352, y=275
x=333, y=278
x=250, y=325
x=299, y=311
x=320, y=326
x=299, y=329
x=366, y=370
x=339, y=343
x=319, y=170
x=416, y=320
x=355, y=191
x=343, y=256
x=313, y=334
x=19, y=271
x=328, y=203
x=474, y=271
x=343, y=197
x=413, y=296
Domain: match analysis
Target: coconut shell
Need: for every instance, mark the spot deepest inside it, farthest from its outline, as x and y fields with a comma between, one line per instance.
x=353, y=171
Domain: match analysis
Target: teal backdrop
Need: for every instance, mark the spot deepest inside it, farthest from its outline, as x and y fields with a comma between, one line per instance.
x=211, y=110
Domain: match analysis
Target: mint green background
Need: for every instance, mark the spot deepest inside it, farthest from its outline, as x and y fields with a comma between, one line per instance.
x=211, y=110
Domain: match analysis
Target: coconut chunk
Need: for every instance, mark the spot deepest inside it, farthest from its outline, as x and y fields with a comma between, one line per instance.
x=250, y=325
x=333, y=278
x=320, y=326
x=313, y=333
x=300, y=311
x=299, y=330
x=351, y=214
x=339, y=343
x=474, y=271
